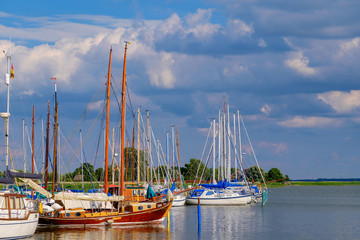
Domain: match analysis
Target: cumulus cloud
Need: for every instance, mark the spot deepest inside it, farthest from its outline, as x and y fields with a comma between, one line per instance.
x=342, y=102
x=300, y=64
x=309, y=122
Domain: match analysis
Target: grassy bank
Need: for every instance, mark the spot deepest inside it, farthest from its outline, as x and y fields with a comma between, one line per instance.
x=327, y=183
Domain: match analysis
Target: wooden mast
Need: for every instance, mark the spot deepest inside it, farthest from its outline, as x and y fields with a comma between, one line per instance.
x=47, y=148
x=107, y=124
x=178, y=153
x=123, y=98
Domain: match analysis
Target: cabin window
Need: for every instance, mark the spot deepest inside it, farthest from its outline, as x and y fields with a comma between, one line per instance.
x=209, y=193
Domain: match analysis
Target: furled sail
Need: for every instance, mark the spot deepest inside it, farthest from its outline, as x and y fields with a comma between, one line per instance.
x=72, y=196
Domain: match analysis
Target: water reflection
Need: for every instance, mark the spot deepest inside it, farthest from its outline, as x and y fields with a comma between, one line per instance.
x=157, y=231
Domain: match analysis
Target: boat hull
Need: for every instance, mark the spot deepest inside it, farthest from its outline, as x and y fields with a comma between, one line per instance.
x=16, y=229
x=235, y=200
x=151, y=216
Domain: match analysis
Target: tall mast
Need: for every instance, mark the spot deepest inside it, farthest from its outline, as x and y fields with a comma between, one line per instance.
x=32, y=150
x=138, y=147
x=6, y=115
x=173, y=148
x=178, y=155
x=24, y=145
x=123, y=98
x=54, y=180
x=214, y=156
x=107, y=125
x=148, y=145
x=47, y=147
x=82, y=162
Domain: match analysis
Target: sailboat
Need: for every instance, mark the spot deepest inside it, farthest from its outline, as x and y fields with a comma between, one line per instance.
x=17, y=220
x=223, y=192
x=121, y=212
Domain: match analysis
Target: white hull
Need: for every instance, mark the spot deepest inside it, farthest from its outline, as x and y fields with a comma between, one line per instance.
x=217, y=197
x=14, y=229
x=179, y=201
x=241, y=200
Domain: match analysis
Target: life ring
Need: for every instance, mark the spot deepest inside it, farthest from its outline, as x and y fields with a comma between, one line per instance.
x=260, y=191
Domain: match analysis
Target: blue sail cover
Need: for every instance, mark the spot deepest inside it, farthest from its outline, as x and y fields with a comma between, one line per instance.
x=221, y=184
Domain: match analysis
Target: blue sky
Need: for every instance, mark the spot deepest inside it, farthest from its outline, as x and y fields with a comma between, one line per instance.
x=291, y=67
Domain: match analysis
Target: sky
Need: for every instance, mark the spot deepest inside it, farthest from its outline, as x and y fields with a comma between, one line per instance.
x=291, y=68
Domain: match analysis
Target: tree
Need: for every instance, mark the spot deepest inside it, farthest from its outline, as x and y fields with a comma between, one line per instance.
x=191, y=168
x=99, y=174
x=274, y=174
x=253, y=174
x=88, y=171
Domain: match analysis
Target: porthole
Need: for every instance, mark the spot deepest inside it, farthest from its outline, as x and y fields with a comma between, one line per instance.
x=140, y=207
x=148, y=206
x=78, y=214
x=67, y=214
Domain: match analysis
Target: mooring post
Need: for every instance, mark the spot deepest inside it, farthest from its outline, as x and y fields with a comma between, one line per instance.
x=199, y=216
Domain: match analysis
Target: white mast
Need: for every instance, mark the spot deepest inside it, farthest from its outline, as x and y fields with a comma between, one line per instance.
x=214, y=140
x=229, y=148
x=173, y=148
x=219, y=151
x=235, y=145
x=240, y=148
x=6, y=115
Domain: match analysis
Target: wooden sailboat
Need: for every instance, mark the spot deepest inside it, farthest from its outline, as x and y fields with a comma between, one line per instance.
x=122, y=212
x=17, y=220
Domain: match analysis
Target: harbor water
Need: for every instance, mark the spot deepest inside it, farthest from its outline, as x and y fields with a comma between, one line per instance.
x=297, y=212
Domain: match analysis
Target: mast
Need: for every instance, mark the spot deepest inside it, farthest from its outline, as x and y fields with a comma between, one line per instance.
x=32, y=150
x=148, y=146
x=229, y=148
x=123, y=99
x=138, y=147
x=6, y=114
x=54, y=180
x=235, y=144
x=82, y=162
x=173, y=148
x=107, y=125
x=24, y=145
x=178, y=151
x=214, y=141
x=47, y=147
x=113, y=157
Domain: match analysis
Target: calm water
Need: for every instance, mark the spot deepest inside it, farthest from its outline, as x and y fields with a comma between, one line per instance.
x=313, y=212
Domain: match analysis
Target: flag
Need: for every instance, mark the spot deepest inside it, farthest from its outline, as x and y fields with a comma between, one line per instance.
x=12, y=75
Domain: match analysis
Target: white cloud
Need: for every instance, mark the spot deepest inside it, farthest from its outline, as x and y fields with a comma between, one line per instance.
x=342, y=102
x=238, y=28
x=299, y=63
x=349, y=46
x=95, y=105
x=199, y=24
x=300, y=122
x=266, y=109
